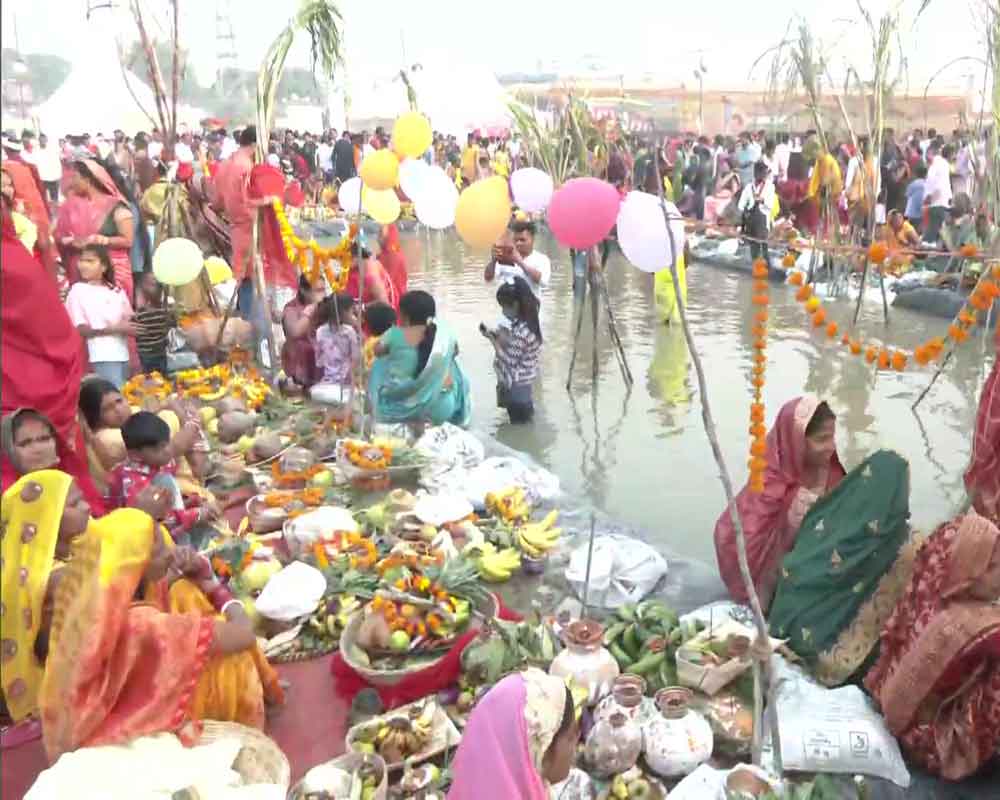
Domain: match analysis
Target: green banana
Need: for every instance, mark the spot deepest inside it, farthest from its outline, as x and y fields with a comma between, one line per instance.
x=631, y=642
x=648, y=663
x=626, y=613
x=613, y=632
x=668, y=673
x=624, y=659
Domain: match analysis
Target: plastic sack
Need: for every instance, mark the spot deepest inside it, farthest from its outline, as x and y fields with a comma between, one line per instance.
x=448, y=446
x=623, y=570
x=833, y=730
x=494, y=475
x=438, y=509
x=292, y=593
x=705, y=783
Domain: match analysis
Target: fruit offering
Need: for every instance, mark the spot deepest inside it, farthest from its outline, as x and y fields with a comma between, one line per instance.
x=210, y=384
x=329, y=782
x=536, y=538
x=634, y=785
x=497, y=566
x=510, y=504
x=372, y=456
x=149, y=389
x=644, y=642
x=396, y=738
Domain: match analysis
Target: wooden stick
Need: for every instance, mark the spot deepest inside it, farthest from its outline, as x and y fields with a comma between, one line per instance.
x=595, y=315
x=576, y=339
x=615, y=338
x=937, y=374
x=762, y=677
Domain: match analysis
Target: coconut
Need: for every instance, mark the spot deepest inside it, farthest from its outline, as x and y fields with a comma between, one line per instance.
x=233, y=425
x=227, y=404
x=374, y=633
x=266, y=446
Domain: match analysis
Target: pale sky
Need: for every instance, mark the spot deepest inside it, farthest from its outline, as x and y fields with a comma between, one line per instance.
x=664, y=37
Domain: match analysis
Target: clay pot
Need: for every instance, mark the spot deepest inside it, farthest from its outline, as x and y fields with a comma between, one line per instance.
x=680, y=739
x=613, y=745
x=627, y=695
x=585, y=660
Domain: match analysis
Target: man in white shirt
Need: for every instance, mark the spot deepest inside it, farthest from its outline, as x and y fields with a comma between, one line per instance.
x=937, y=191
x=49, y=166
x=782, y=153
x=228, y=147
x=756, y=202
x=324, y=158
x=182, y=150
x=523, y=261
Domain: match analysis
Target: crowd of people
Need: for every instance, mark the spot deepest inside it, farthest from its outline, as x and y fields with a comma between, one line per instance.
x=831, y=553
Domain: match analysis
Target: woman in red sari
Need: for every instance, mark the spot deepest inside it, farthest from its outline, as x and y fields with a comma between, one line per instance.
x=937, y=677
x=96, y=212
x=42, y=360
x=983, y=477
x=802, y=466
x=392, y=259
x=379, y=287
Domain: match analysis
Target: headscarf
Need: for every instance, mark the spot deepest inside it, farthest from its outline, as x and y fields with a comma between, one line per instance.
x=116, y=669
x=771, y=518
x=505, y=742
x=852, y=559
x=30, y=518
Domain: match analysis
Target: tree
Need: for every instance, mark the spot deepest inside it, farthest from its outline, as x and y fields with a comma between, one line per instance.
x=46, y=72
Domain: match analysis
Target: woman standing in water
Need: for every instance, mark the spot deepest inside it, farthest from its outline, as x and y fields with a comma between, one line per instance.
x=802, y=466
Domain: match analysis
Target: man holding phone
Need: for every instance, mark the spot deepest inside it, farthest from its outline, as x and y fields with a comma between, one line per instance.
x=517, y=258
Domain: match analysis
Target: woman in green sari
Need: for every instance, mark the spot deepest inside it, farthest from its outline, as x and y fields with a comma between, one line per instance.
x=852, y=560
x=416, y=376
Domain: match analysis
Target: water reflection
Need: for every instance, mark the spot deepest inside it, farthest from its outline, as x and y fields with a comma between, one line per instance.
x=644, y=457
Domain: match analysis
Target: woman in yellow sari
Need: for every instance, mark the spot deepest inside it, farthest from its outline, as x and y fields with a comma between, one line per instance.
x=138, y=649
x=40, y=517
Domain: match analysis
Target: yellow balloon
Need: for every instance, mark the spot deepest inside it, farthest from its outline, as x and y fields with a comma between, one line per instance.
x=382, y=206
x=483, y=212
x=412, y=135
x=218, y=270
x=380, y=169
x=177, y=262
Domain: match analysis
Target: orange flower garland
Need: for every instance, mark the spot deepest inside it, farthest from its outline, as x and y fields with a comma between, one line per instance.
x=986, y=293
x=758, y=431
x=299, y=253
x=367, y=455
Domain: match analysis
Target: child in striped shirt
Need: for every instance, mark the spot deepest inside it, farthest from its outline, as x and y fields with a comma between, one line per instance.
x=518, y=349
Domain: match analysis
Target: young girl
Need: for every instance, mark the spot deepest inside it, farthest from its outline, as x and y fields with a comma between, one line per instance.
x=518, y=349
x=102, y=314
x=153, y=321
x=338, y=349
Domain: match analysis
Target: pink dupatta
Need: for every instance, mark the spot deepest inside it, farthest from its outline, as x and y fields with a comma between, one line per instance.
x=506, y=739
x=80, y=217
x=771, y=519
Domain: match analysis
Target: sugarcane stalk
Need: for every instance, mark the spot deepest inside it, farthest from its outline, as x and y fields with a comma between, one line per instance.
x=763, y=681
x=576, y=338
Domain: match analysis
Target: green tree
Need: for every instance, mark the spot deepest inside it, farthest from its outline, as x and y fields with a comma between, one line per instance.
x=45, y=74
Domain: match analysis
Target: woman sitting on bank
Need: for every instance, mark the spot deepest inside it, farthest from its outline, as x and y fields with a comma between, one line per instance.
x=523, y=735
x=105, y=410
x=417, y=377
x=852, y=558
x=144, y=640
x=298, y=353
x=937, y=677
x=802, y=466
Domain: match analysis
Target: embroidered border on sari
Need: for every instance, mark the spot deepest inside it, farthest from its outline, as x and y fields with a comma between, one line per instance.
x=836, y=664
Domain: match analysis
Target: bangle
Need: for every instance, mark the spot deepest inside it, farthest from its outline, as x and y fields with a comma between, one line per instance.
x=219, y=597
x=229, y=603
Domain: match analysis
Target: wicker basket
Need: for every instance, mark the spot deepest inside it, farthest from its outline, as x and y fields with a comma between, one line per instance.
x=390, y=677
x=349, y=762
x=260, y=760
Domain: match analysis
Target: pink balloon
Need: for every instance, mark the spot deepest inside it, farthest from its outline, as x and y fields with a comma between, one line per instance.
x=583, y=212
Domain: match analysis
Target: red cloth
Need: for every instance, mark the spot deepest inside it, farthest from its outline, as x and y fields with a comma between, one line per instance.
x=130, y=478
x=294, y=196
x=375, y=274
x=393, y=260
x=983, y=477
x=771, y=519
x=42, y=360
x=277, y=268
x=28, y=189
x=431, y=680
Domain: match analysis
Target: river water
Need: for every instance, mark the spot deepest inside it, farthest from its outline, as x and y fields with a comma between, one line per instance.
x=642, y=455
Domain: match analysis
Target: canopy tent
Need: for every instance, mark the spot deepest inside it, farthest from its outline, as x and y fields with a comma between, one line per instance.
x=95, y=98
x=457, y=98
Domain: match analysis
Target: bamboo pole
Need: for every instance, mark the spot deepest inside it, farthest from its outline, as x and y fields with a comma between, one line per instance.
x=763, y=682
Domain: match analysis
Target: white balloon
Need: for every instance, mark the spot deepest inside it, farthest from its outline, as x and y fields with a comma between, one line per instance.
x=532, y=189
x=642, y=231
x=413, y=174
x=349, y=196
x=435, y=207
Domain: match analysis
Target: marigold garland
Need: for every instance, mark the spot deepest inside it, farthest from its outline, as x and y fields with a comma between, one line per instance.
x=282, y=478
x=313, y=260
x=367, y=455
x=986, y=293
x=758, y=431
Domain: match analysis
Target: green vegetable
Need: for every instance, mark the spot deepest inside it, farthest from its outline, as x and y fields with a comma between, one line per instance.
x=631, y=642
x=647, y=663
x=626, y=613
x=624, y=659
x=668, y=672
x=613, y=632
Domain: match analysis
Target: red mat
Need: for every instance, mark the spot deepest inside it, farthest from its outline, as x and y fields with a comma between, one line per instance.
x=310, y=729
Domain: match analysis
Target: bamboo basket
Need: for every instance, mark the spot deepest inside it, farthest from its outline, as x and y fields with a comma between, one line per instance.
x=260, y=760
x=349, y=762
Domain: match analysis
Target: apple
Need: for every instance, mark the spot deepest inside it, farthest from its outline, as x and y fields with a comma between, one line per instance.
x=399, y=641
x=322, y=479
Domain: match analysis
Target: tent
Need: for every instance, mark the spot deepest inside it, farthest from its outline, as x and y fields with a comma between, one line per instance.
x=457, y=98
x=95, y=98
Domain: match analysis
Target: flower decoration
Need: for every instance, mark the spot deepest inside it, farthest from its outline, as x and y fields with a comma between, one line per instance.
x=968, y=251
x=878, y=252
x=368, y=455
x=758, y=432
x=313, y=260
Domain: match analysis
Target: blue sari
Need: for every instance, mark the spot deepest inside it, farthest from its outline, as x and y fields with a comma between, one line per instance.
x=438, y=394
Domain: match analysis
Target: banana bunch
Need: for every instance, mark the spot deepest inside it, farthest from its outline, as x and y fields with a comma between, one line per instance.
x=498, y=566
x=398, y=738
x=510, y=504
x=644, y=642
x=536, y=538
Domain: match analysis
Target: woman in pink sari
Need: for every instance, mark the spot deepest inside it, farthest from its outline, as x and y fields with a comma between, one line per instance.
x=521, y=738
x=96, y=212
x=983, y=477
x=802, y=466
x=392, y=259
